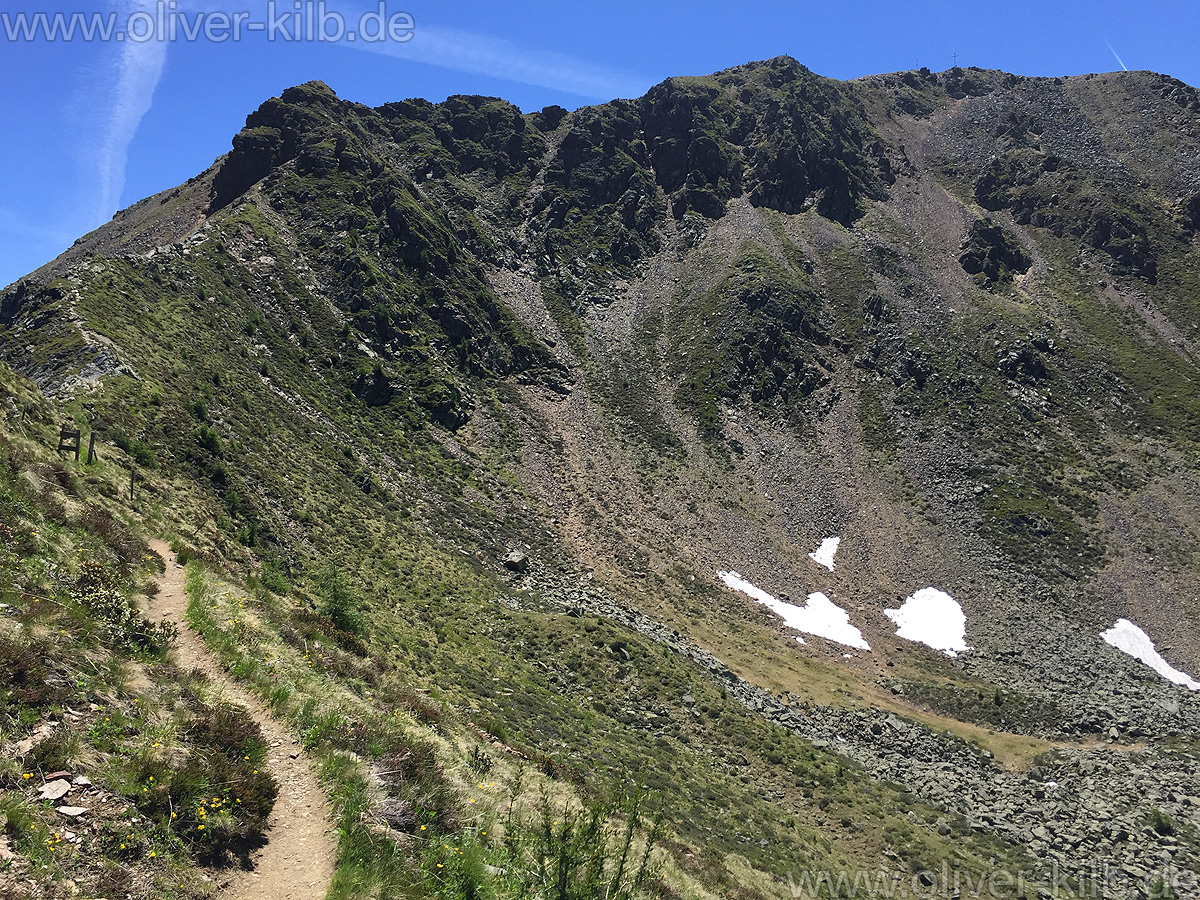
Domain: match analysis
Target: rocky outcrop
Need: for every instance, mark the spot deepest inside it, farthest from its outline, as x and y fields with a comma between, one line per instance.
x=991, y=255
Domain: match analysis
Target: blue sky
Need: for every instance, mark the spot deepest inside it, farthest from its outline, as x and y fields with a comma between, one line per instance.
x=91, y=127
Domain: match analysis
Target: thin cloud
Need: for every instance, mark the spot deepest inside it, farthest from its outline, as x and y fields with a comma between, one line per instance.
x=480, y=54
x=468, y=51
x=136, y=73
x=463, y=51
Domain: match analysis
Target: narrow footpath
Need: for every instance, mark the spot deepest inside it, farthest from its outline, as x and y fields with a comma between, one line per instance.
x=297, y=861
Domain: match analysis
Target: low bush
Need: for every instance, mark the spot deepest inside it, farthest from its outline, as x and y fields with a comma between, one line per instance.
x=96, y=590
x=412, y=775
x=127, y=549
x=26, y=678
x=418, y=705
x=1161, y=822
x=208, y=438
x=218, y=800
x=273, y=578
x=228, y=729
x=315, y=626
x=139, y=450
x=56, y=473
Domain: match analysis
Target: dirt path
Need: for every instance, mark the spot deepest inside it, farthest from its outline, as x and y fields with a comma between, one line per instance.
x=297, y=862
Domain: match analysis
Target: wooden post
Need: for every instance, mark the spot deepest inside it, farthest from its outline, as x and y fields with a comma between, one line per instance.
x=91, y=448
x=132, y=479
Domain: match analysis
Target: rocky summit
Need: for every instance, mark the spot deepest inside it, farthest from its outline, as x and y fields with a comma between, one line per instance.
x=518, y=442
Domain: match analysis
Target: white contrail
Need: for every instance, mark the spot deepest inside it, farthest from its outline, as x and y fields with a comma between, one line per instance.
x=137, y=70
x=1114, y=53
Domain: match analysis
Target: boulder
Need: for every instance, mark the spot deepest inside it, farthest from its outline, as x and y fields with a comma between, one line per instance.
x=516, y=561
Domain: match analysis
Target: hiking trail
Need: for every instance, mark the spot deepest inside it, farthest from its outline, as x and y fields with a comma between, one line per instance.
x=297, y=861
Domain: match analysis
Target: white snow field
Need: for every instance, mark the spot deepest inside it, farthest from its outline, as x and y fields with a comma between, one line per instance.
x=933, y=618
x=820, y=617
x=823, y=555
x=1128, y=638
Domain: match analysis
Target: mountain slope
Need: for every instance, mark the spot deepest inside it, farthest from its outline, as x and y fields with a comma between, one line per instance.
x=949, y=318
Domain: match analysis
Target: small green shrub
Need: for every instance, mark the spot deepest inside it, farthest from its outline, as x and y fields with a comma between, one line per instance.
x=198, y=409
x=138, y=449
x=411, y=773
x=1160, y=889
x=230, y=730
x=341, y=601
x=314, y=626
x=1162, y=823
x=56, y=473
x=273, y=578
x=218, y=800
x=420, y=706
x=208, y=438
x=590, y=852
x=143, y=455
x=479, y=761
x=58, y=750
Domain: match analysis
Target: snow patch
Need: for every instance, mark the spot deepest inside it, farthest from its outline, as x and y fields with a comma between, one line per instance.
x=823, y=555
x=820, y=616
x=1128, y=638
x=933, y=618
